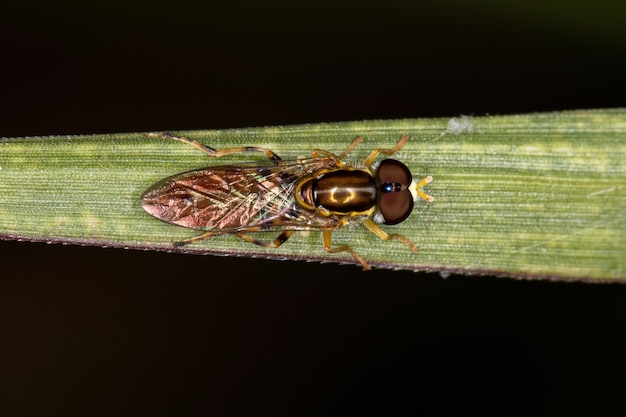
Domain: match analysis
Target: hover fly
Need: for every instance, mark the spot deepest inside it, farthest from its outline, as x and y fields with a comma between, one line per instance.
x=322, y=193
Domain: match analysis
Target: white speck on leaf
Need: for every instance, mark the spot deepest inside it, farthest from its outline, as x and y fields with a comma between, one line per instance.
x=456, y=126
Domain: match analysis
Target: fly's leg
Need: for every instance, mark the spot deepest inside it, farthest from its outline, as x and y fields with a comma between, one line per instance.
x=350, y=147
x=374, y=154
x=338, y=159
x=370, y=158
x=327, y=236
x=194, y=239
x=269, y=154
x=282, y=238
x=373, y=227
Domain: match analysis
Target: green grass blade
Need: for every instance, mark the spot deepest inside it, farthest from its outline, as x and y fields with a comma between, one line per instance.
x=538, y=195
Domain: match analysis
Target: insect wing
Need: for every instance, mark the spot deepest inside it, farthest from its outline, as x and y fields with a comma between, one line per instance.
x=233, y=198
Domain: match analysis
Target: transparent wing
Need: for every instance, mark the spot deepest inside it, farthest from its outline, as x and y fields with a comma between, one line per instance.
x=233, y=198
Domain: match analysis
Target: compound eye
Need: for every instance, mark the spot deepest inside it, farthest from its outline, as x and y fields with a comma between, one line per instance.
x=395, y=206
x=391, y=171
x=395, y=201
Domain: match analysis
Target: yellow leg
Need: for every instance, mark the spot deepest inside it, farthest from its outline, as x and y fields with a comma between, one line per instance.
x=327, y=235
x=350, y=147
x=222, y=152
x=282, y=238
x=194, y=239
x=338, y=159
x=373, y=227
x=374, y=154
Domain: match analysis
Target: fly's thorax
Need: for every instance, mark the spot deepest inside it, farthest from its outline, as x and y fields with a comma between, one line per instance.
x=341, y=191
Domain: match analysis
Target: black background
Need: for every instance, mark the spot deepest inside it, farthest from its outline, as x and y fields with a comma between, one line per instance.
x=90, y=331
